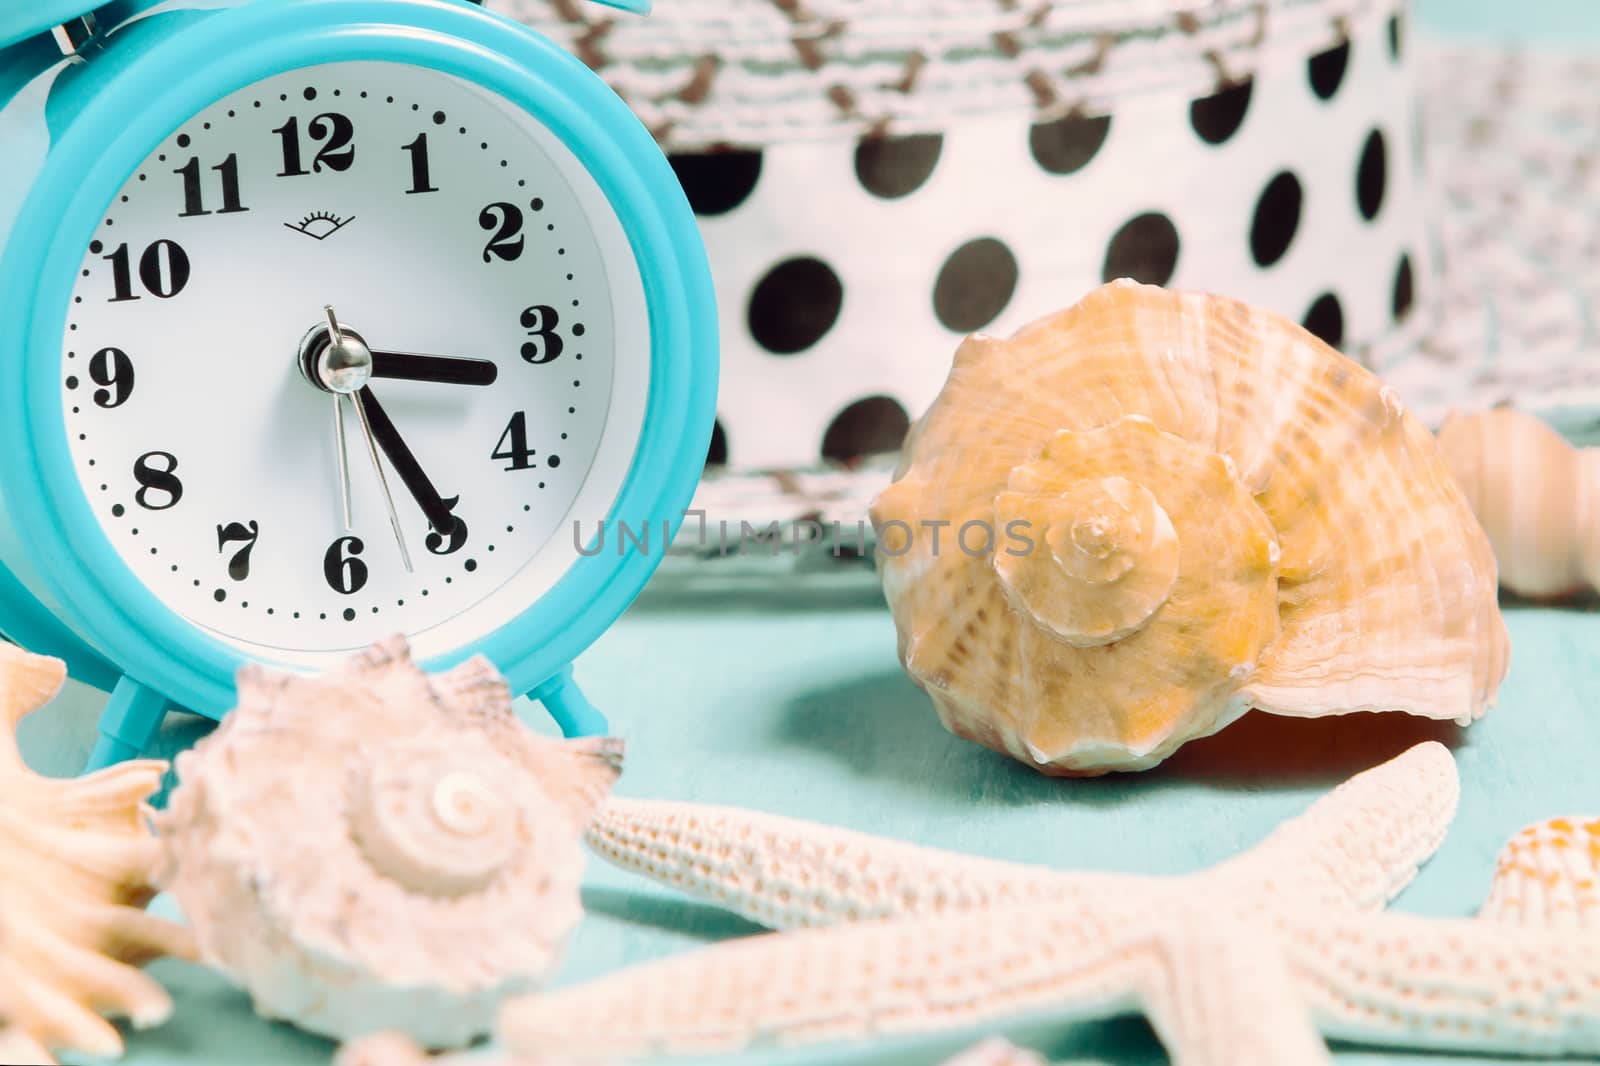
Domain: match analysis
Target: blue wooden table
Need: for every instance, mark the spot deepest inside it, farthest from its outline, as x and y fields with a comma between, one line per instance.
x=793, y=702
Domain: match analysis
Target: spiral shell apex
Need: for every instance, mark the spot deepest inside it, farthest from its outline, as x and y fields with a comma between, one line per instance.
x=1170, y=508
x=380, y=849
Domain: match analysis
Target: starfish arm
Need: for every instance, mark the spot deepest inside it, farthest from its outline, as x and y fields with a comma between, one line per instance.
x=1359, y=845
x=1398, y=980
x=849, y=981
x=1223, y=996
x=787, y=873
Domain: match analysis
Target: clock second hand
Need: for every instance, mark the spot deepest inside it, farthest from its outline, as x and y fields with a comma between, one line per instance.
x=344, y=459
x=388, y=497
x=336, y=336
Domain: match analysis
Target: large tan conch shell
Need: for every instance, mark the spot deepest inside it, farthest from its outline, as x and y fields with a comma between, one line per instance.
x=78, y=859
x=1136, y=519
x=379, y=849
x=1537, y=496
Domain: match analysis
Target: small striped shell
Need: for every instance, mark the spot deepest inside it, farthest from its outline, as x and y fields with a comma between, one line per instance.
x=1549, y=875
x=1134, y=520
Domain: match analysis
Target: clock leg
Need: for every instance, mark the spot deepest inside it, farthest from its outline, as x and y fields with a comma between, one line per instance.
x=571, y=709
x=128, y=724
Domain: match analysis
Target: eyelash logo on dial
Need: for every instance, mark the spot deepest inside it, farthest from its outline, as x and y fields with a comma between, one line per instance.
x=320, y=225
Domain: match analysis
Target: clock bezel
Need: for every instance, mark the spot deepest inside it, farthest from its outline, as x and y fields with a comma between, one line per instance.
x=226, y=50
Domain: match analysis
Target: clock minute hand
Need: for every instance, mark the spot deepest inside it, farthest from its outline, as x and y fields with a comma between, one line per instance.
x=407, y=366
x=405, y=464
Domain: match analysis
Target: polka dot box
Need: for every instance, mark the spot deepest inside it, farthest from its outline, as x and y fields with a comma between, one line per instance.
x=851, y=252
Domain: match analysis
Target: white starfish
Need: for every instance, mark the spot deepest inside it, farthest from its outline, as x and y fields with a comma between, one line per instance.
x=1357, y=847
x=1242, y=964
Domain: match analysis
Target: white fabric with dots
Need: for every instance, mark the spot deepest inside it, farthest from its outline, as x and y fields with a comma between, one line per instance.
x=891, y=254
x=1501, y=237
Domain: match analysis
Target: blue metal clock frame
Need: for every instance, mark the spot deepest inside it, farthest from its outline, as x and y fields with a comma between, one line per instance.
x=63, y=589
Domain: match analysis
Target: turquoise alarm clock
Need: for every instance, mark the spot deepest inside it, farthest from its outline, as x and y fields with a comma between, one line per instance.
x=322, y=320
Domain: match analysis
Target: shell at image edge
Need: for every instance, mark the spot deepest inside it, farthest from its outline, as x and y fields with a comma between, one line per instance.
x=1177, y=508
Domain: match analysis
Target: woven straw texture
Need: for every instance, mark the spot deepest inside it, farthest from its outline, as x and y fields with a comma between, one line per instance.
x=749, y=73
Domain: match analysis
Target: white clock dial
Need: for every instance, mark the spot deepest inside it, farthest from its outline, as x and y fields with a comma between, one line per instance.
x=437, y=220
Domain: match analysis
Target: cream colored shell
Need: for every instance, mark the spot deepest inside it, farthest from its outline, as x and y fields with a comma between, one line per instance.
x=1537, y=496
x=1549, y=875
x=1140, y=517
x=78, y=857
x=379, y=849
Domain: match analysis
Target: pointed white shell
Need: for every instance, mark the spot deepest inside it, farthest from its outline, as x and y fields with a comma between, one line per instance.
x=377, y=849
x=1126, y=525
x=1549, y=875
x=78, y=859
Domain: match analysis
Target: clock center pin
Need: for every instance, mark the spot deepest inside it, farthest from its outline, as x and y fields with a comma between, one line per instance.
x=334, y=357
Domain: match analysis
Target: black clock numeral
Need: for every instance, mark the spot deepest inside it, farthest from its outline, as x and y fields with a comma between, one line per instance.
x=111, y=368
x=419, y=165
x=337, y=154
x=233, y=532
x=194, y=194
x=506, y=220
x=448, y=545
x=513, y=443
x=345, y=573
x=163, y=270
x=540, y=321
x=159, y=487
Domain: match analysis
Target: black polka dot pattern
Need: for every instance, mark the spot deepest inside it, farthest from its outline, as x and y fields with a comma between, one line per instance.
x=1326, y=70
x=974, y=285
x=717, y=453
x=1145, y=249
x=1325, y=319
x=717, y=182
x=1284, y=189
x=1066, y=145
x=1217, y=118
x=868, y=426
x=794, y=305
x=1276, y=219
x=1371, y=176
x=892, y=167
x=1404, y=288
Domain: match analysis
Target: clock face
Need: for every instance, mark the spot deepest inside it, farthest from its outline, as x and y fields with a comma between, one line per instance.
x=436, y=220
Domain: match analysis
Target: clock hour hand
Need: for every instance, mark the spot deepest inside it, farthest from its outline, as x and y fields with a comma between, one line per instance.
x=407, y=366
x=379, y=425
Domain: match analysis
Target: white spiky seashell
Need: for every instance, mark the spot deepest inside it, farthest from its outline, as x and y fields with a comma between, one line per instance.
x=1549, y=875
x=379, y=849
x=1136, y=519
x=79, y=859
